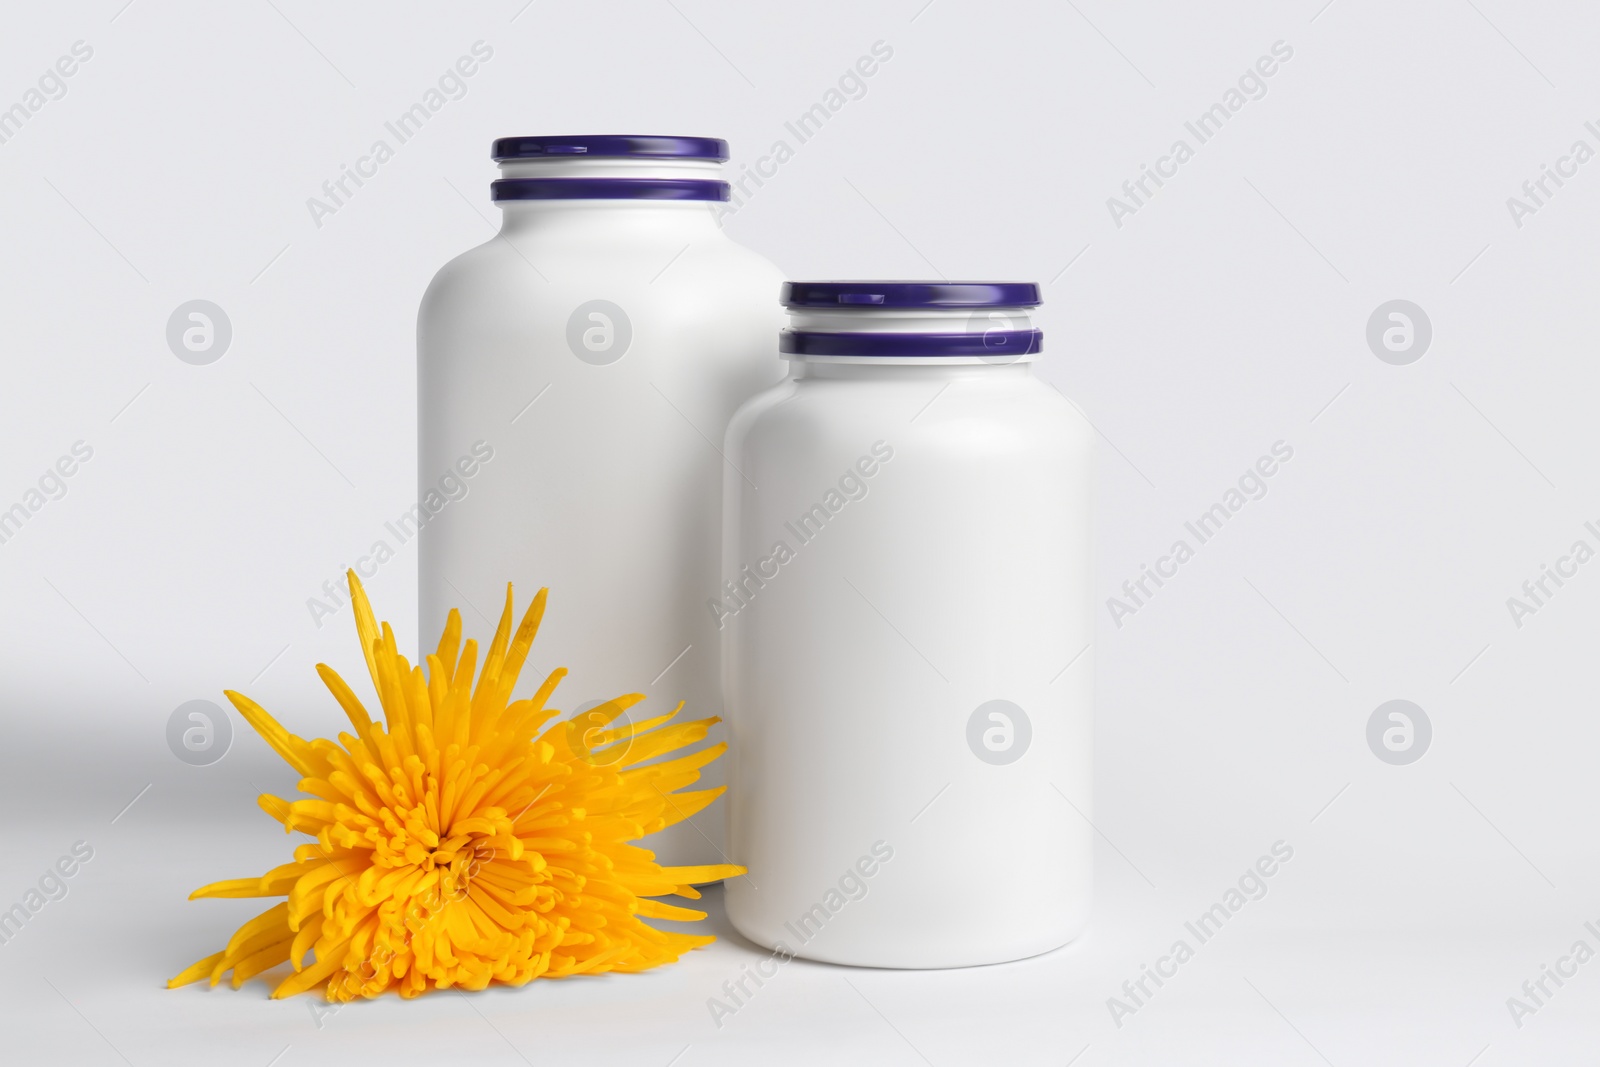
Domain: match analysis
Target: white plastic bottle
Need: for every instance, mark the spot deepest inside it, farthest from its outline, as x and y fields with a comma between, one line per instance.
x=575, y=376
x=906, y=615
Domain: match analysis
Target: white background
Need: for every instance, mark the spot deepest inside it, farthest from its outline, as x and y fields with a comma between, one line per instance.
x=1228, y=313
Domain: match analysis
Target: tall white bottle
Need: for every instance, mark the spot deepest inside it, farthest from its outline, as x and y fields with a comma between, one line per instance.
x=576, y=374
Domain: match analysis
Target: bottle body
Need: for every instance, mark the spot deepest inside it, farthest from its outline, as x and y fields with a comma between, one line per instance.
x=910, y=747
x=580, y=365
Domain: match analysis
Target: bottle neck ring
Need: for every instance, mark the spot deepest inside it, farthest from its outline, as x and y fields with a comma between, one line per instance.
x=504, y=189
x=912, y=336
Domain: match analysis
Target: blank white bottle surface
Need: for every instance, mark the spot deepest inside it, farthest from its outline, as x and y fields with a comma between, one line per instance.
x=906, y=616
x=575, y=376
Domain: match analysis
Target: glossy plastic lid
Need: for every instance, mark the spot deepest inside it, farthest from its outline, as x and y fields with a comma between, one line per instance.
x=871, y=294
x=614, y=146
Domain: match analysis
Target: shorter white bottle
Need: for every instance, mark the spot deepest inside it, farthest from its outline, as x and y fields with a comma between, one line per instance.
x=906, y=612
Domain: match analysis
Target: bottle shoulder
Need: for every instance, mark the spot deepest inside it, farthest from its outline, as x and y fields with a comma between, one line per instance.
x=529, y=269
x=749, y=259
x=1021, y=412
x=462, y=270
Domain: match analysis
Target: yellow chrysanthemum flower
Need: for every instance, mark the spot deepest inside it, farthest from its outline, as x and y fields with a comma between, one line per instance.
x=456, y=845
